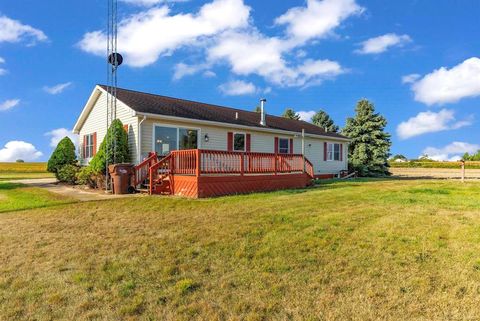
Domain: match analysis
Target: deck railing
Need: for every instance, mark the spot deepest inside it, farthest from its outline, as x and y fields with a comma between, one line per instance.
x=142, y=170
x=211, y=162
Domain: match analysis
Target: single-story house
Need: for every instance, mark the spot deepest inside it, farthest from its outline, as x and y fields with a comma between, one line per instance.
x=167, y=125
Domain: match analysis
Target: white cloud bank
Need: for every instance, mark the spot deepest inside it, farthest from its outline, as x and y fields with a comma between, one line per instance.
x=57, y=89
x=14, y=31
x=306, y=115
x=19, y=150
x=238, y=88
x=9, y=104
x=223, y=30
x=449, y=85
x=56, y=135
x=451, y=152
x=381, y=44
x=430, y=122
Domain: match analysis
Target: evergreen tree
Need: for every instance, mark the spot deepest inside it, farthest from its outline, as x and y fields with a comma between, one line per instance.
x=64, y=154
x=323, y=120
x=369, y=148
x=116, y=151
x=291, y=114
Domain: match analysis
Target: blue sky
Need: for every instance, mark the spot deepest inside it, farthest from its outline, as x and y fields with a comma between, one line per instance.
x=417, y=61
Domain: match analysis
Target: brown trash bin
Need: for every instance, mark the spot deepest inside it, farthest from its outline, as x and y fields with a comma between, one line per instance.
x=121, y=175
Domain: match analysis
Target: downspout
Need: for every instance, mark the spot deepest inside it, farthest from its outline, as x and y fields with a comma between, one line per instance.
x=139, y=139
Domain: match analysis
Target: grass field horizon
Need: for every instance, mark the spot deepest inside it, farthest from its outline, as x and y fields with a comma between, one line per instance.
x=351, y=250
x=16, y=171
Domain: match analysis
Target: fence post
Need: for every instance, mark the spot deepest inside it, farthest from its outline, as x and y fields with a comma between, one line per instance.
x=463, y=171
x=198, y=163
x=276, y=164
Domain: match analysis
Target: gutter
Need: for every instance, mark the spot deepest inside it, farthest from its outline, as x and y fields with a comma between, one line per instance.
x=220, y=124
x=139, y=139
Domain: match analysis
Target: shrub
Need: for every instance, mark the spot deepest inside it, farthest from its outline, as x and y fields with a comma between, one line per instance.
x=20, y=161
x=116, y=151
x=67, y=174
x=85, y=176
x=63, y=155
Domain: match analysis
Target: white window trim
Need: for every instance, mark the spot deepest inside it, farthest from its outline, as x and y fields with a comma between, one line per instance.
x=333, y=152
x=199, y=140
x=288, y=148
x=85, y=147
x=245, y=141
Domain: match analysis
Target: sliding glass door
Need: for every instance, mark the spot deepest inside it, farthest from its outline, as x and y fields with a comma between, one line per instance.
x=167, y=139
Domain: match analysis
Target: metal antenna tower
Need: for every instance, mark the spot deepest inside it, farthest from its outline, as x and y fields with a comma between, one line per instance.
x=114, y=60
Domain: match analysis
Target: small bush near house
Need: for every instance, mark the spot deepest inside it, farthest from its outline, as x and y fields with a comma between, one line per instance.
x=67, y=174
x=86, y=176
x=63, y=155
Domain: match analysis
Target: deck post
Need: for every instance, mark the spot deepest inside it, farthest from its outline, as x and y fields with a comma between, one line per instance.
x=303, y=149
x=198, y=163
x=276, y=164
x=242, y=163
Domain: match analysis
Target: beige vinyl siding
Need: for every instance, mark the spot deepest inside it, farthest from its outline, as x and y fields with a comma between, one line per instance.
x=97, y=122
x=260, y=142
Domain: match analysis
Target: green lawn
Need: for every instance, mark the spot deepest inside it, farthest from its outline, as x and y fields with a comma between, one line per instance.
x=358, y=250
x=14, y=197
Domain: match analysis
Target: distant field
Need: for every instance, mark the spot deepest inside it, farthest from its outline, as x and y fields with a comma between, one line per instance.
x=352, y=250
x=11, y=171
x=452, y=165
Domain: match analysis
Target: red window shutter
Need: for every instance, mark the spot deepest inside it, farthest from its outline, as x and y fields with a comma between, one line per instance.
x=341, y=152
x=84, y=147
x=276, y=145
x=291, y=145
x=125, y=127
x=230, y=141
x=248, y=143
x=94, y=144
x=325, y=150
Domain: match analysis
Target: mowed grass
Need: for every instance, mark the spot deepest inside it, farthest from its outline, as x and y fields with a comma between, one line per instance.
x=14, y=171
x=15, y=197
x=358, y=250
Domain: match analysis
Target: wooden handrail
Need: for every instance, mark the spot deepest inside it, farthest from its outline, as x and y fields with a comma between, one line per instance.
x=142, y=169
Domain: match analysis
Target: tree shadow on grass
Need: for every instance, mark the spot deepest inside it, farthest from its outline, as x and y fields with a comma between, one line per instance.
x=10, y=186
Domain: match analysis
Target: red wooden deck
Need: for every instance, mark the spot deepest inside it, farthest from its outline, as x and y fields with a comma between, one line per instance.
x=206, y=173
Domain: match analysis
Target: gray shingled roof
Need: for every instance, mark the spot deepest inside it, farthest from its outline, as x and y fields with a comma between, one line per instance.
x=168, y=106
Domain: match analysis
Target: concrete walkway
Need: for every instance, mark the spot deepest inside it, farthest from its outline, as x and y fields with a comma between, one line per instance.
x=75, y=192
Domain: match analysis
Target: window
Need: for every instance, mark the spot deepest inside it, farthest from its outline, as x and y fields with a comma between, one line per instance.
x=168, y=139
x=333, y=152
x=188, y=138
x=88, y=148
x=283, y=145
x=239, y=142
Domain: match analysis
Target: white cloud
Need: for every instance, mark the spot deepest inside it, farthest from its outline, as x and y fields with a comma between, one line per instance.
x=410, y=79
x=238, y=88
x=14, y=31
x=56, y=135
x=254, y=53
x=224, y=31
x=306, y=115
x=382, y=43
x=9, y=104
x=2, y=61
x=3, y=71
x=57, y=89
x=318, y=19
x=449, y=85
x=209, y=74
x=430, y=122
x=139, y=39
x=14, y=150
x=452, y=152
